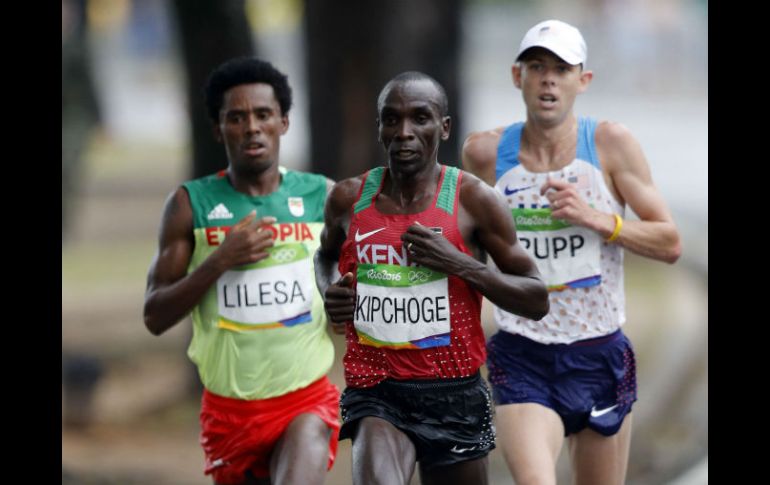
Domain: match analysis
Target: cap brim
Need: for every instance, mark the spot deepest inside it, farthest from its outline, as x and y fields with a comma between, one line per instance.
x=563, y=54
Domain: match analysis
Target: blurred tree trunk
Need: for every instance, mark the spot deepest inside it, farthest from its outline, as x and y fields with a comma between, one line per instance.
x=352, y=50
x=80, y=112
x=210, y=33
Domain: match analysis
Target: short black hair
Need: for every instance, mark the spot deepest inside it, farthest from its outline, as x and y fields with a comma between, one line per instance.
x=414, y=76
x=244, y=70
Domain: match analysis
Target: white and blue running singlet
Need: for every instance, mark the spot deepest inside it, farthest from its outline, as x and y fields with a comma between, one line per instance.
x=584, y=274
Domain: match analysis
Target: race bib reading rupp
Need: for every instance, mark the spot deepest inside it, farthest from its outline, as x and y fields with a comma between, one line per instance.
x=274, y=292
x=567, y=256
x=402, y=307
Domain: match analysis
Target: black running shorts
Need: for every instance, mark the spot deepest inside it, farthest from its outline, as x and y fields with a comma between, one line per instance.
x=448, y=420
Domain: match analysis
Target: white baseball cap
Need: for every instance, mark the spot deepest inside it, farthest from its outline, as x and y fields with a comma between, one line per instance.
x=558, y=37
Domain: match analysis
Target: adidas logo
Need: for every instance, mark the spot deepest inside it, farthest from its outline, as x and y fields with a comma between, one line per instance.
x=220, y=212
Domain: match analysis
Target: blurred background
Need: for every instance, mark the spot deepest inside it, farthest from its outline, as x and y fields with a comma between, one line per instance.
x=134, y=127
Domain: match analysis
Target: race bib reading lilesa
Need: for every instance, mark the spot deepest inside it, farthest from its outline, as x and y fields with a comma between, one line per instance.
x=274, y=292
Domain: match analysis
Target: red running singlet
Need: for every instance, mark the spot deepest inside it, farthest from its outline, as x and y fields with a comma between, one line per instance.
x=374, y=238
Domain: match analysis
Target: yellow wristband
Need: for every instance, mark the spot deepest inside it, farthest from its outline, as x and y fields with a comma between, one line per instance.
x=618, y=227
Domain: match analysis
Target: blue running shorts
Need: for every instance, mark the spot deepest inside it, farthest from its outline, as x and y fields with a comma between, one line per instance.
x=590, y=383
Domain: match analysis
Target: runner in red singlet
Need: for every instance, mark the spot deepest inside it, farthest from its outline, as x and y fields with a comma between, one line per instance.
x=409, y=240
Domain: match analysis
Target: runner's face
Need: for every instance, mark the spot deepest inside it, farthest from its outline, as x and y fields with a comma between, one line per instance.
x=410, y=124
x=250, y=126
x=549, y=85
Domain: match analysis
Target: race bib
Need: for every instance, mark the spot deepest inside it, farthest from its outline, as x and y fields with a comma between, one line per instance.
x=567, y=256
x=401, y=307
x=275, y=292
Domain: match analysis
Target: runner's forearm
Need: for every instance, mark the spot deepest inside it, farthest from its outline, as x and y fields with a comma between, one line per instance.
x=522, y=295
x=652, y=239
x=165, y=306
x=325, y=272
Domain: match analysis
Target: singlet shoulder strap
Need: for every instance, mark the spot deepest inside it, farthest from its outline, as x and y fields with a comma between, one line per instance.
x=448, y=191
x=371, y=185
x=508, y=149
x=586, y=148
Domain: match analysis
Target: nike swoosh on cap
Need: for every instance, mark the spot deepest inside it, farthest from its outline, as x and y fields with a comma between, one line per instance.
x=361, y=237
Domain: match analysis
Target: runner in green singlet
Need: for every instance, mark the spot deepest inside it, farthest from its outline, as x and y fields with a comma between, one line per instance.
x=235, y=252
